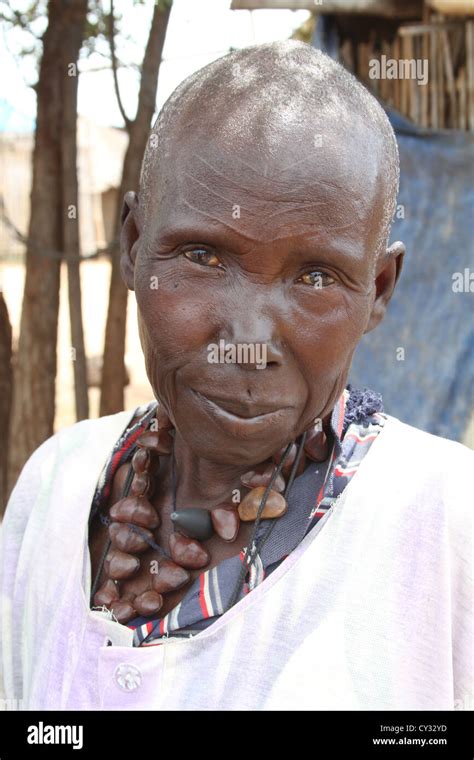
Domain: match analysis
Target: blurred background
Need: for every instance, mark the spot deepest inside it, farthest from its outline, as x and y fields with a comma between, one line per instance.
x=82, y=81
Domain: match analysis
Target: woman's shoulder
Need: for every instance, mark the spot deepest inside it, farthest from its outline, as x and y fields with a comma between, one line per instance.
x=108, y=428
x=72, y=449
x=429, y=473
x=117, y=423
x=426, y=446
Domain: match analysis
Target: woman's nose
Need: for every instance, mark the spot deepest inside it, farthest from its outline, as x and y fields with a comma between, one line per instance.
x=255, y=340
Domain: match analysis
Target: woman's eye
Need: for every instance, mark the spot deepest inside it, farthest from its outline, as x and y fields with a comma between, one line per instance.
x=203, y=257
x=317, y=279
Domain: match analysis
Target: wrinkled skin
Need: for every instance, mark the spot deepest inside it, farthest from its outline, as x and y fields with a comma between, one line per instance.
x=251, y=280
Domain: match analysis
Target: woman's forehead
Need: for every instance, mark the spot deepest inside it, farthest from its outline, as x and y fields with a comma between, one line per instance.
x=319, y=190
x=270, y=106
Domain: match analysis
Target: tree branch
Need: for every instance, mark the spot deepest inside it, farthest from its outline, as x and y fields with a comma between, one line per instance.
x=114, y=66
x=37, y=249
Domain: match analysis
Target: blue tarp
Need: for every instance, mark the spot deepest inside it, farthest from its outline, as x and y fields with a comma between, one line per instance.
x=433, y=387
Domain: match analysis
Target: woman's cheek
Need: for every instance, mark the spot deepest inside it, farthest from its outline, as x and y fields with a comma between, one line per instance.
x=178, y=319
x=326, y=334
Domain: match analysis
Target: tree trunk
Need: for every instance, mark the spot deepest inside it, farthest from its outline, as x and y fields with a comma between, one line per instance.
x=5, y=394
x=70, y=194
x=113, y=372
x=33, y=408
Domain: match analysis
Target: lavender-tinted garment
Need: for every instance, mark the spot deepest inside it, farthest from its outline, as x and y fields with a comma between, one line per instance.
x=372, y=610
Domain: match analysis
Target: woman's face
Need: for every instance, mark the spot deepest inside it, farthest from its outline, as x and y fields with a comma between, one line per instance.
x=277, y=257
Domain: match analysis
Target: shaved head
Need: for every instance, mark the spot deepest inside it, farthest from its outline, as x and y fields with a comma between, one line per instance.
x=282, y=99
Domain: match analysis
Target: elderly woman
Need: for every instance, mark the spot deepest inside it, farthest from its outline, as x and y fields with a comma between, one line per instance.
x=261, y=535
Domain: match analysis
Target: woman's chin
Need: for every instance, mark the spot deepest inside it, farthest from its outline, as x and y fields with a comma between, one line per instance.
x=225, y=437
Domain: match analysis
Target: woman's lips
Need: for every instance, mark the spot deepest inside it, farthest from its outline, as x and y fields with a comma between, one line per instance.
x=238, y=410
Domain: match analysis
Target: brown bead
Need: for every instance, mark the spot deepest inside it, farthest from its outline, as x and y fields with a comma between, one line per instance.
x=107, y=594
x=261, y=476
x=127, y=540
x=141, y=460
x=165, y=444
x=226, y=521
x=141, y=484
x=188, y=552
x=123, y=610
x=148, y=603
x=164, y=422
x=169, y=577
x=137, y=510
x=275, y=505
x=119, y=480
x=316, y=446
x=160, y=441
x=119, y=565
x=286, y=469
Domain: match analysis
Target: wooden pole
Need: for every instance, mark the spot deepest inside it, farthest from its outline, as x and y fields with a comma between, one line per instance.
x=412, y=85
x=404, y=86
x=411, y=30
x=448, y=67
x=470, y=74
x=440, y=69
x=363, y=62
x=434, y=121
x=386, y=85
x=396, y=82
x=347, y=56
x=424, y=99
x=462, y=98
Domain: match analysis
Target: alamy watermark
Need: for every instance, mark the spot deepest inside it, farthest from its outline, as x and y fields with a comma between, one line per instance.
x=41, y=733
x=237, y=353
x=399, y=68
x=463, y=282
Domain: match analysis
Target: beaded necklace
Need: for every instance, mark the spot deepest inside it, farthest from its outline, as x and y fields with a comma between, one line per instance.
x=133, y=519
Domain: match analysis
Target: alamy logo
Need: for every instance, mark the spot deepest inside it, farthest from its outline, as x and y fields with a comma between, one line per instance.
x=399, y=68
x=46, y=734
x=237, y=353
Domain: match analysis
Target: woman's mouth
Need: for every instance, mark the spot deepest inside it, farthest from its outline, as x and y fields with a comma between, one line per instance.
x=244, y=412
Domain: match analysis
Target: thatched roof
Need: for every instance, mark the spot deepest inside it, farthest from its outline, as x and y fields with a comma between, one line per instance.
x=388, y=8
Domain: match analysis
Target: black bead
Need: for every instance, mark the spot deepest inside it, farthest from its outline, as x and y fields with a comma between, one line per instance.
x=194, y=523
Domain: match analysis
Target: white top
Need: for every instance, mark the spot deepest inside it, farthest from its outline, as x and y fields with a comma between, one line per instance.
x=385, y=623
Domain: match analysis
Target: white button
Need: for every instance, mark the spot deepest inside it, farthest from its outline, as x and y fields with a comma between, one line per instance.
x=128, y=677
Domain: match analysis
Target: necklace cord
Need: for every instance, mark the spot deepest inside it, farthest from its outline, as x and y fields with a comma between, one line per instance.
x=173, y=477
x=126, y=489
x=251, y=549
x=286, y=492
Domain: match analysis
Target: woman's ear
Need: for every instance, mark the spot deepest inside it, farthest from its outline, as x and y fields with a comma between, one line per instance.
x=386, y=277
x=129, y=236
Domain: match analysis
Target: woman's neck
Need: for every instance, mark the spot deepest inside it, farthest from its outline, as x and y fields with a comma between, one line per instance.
x=201, y=482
